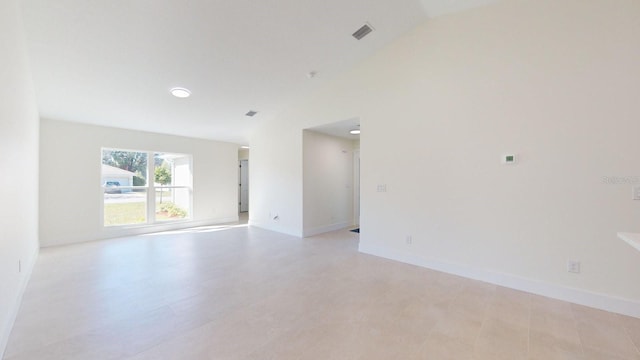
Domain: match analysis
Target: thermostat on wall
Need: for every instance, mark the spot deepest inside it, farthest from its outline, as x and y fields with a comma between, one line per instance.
x=509, y=159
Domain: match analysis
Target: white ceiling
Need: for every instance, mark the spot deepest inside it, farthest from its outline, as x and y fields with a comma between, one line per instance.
x=340, y=129
x=112, y=62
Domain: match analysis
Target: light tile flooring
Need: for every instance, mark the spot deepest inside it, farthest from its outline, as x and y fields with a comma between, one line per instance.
x=246, y=293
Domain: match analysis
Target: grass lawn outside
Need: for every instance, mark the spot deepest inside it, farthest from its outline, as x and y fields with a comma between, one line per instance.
x=130, y=213
x=125, y=213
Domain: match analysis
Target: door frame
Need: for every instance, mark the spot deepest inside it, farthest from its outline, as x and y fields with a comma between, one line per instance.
x=240, y=184
x=356, y=187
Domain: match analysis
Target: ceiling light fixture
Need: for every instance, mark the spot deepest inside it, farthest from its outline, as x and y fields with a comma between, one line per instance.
x=244, y=147
x=355, y=132
x=251, y=113
x=180, y=92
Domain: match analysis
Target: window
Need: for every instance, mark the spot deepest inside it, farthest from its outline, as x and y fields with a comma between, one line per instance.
x=172, y=186
x=130, y=198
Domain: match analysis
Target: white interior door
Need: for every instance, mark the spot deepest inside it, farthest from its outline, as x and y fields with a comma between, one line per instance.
x=244, y=185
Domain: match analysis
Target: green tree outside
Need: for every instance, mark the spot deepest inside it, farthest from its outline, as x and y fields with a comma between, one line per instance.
x=136, y=162
x=162, y=177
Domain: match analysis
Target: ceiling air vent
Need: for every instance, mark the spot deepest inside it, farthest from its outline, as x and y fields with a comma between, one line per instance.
x=251, y=113
x=362, y=32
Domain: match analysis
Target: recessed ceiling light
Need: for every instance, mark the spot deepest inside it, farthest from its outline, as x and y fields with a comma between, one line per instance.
x=180, y=92
x=354, y=132
x=244, y=147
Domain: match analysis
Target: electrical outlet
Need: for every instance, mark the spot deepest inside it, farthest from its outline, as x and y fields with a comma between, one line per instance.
x=573, y=266
x=635, y=192
x=382, y=188
x=409, y=240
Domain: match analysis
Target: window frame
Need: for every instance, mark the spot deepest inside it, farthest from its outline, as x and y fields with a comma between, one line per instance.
x=150, y=190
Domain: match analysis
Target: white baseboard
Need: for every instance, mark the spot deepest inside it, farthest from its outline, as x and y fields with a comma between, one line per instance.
x=274, y=227
x=109, y=233
x=325, y=228
x=116, y=232
x=573, y=295
x=13, y=314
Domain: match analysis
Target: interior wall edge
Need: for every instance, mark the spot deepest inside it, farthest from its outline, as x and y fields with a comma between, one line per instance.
x=8, y=326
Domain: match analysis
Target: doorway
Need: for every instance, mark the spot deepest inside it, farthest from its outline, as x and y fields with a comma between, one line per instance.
x=331, y=177
x=356, y=187
x=243, y=193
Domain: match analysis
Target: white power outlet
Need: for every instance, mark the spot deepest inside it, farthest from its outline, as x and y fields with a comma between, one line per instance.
x=409, y=240
x=573, y=266
x=382, y=188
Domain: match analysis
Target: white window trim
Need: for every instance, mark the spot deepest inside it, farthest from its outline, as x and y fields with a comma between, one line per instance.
x=150, y=189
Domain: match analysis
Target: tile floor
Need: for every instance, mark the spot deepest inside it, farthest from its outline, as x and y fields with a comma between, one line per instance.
x=246, y=293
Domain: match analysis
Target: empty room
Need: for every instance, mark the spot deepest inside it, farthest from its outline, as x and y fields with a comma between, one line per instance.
x=354, y=179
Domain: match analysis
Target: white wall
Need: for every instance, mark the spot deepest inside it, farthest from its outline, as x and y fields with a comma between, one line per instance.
x=275, y=179
x=327, y=183
x=19, y=159
x=555, y=82
x=72, y=213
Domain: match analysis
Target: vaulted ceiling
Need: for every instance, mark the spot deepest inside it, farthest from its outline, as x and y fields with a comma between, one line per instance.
x=112, y=62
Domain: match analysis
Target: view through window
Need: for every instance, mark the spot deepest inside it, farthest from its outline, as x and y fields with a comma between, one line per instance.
x=139, y=191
